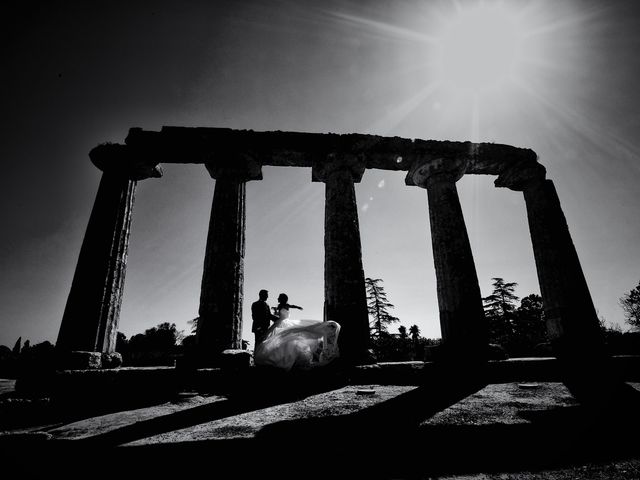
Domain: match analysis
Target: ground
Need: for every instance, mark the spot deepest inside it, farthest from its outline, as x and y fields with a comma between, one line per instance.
x=515, y=430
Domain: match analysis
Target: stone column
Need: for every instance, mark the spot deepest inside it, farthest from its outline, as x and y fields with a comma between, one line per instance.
x=220, y=322
x=572, y=322
x=464, y=330
x=90, y=320
x=344, y=287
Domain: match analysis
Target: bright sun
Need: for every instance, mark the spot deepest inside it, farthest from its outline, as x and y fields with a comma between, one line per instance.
x=479, y=48
x=469, y=67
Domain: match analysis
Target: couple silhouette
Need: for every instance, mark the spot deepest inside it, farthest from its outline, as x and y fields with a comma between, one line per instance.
x=289, y=343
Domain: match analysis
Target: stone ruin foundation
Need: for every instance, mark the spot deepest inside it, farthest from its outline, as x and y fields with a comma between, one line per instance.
x=235, y=157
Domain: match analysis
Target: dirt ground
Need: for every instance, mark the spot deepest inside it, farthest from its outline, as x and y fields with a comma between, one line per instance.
x=502, y=431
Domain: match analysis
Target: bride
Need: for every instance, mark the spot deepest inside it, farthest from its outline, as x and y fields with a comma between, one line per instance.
x=300, y=344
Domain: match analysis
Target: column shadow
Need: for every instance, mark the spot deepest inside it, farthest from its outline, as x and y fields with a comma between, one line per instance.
x=387, y=440
x=271, y=388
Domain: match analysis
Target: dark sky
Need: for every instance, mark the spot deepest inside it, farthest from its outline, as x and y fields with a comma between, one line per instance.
x=77, y=74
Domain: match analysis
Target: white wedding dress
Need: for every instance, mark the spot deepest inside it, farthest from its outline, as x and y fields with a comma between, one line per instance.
x=299, y=344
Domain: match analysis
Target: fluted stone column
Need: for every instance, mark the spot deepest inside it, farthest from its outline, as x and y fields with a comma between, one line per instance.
x=464, y=330
x=220, y=322
x=344, y=286
x=572, y=321
x=90, y=320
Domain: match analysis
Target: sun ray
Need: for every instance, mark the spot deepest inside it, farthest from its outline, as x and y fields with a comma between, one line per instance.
x=600, y=137
x=395, y=116
x=297, y=203
x=391, y=31
x=565, y=24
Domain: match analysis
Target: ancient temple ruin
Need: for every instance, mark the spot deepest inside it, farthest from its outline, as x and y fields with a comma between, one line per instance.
x=234, y=157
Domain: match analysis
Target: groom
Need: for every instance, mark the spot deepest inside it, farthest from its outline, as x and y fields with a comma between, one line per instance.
x=262, y=317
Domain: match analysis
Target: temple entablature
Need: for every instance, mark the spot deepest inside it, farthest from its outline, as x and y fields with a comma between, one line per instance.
x=300, y=149
x=120, y=159
x=234, y=166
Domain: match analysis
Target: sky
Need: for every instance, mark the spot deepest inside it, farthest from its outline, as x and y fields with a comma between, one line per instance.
x=557, y=77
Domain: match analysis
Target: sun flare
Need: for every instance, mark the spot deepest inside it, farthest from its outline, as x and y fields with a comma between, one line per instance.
x=479, y=48
x=477, y=68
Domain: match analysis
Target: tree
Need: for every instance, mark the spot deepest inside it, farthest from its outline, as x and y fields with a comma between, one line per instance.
x=418, y=344
x=193, y=324
x=530, y=314
x=153, y=347
x=161, y=338
x=502, y=300
x=17, y=347
x=378, y=307
x=499, y=309
x=414, y=331
x=37, y=357
x=403, y=331
x=121, y=342
x=630, y=303
x=529, y=327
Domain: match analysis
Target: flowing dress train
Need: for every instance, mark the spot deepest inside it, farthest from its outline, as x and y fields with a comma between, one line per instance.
x=299, y=344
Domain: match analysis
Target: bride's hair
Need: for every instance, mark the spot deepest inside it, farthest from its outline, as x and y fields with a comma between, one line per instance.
x=283, y=298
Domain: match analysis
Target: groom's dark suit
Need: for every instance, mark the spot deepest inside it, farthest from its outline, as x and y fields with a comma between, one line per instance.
x=261, y=315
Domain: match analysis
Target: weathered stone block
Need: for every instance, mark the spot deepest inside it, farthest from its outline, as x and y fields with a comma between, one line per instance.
x=543, y=350
x=430, y=353
x=496, y=352
x=235, y=358
x=80, y=360
x=111, y=360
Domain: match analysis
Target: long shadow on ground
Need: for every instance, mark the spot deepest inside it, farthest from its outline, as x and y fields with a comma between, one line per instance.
x=387, y=440
x=309, y=440
x=274, y=389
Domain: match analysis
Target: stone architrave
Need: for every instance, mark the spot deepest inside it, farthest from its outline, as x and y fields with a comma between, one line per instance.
x=90, y=320
x=220, y=313
x=462, y=321
x=344, y=286
x=572, y=321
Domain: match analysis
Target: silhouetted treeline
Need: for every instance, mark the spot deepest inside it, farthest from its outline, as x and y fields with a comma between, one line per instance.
x=619, y=342
x=400, y=347
x=521, y=329
x=516, y=327
x=157, y=346
x=26, y=357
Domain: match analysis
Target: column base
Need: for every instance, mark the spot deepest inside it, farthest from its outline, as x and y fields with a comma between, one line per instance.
x=356, y=359
x=448, y=353
x=590, y=376
x=231, y=358
x=85, y=360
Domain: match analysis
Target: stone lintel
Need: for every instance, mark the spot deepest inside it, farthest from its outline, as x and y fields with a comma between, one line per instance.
x=235, y=166
x=304, y=149
x=336, y=162
x=521, y=175
x=429, y=169
x=119, y=159
x=493, y=158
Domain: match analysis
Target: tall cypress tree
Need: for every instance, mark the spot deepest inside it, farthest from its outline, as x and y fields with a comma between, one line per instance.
x=378, y=307
x=499, y=309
